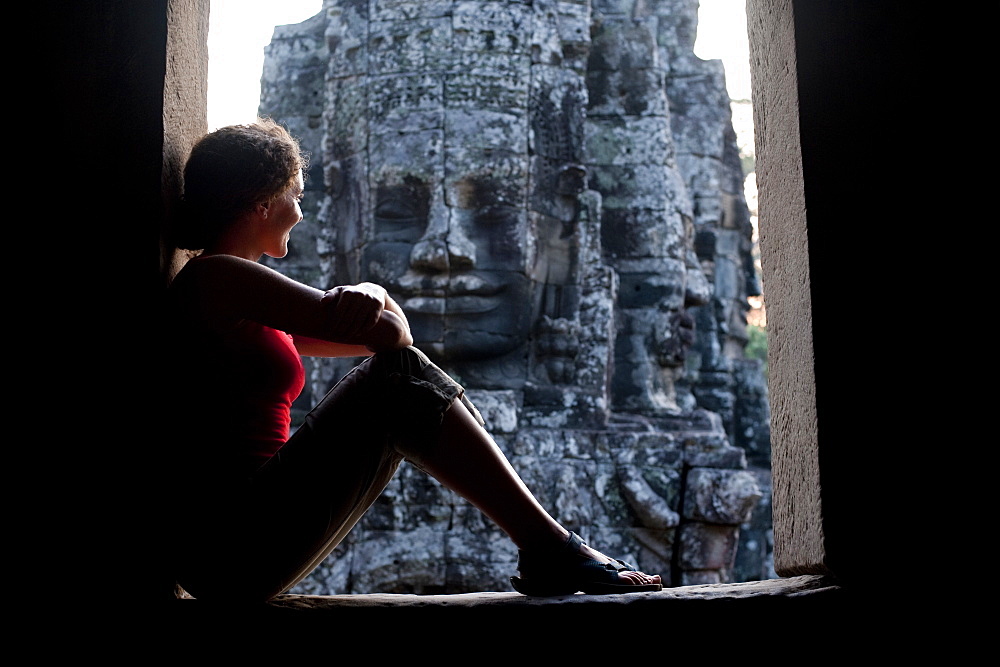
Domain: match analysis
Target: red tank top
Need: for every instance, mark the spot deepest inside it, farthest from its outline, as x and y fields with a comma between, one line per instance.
x=235, y=407
x=267, y=376
x=230, y=387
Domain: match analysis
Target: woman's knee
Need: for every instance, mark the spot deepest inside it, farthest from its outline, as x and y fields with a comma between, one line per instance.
x=416, y=391
x=405, y=361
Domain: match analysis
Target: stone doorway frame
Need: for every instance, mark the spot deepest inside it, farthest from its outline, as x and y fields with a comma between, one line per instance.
x=812, y=477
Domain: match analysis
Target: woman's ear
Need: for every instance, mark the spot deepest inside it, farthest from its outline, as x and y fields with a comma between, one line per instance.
x=261, y=208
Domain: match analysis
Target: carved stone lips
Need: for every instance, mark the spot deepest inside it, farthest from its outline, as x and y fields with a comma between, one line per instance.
x=450, y=305
x=452, y=294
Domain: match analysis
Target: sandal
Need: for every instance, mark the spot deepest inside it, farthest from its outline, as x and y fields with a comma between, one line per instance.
x=566, y=571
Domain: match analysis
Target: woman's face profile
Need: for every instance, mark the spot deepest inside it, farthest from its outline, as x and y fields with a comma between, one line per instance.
x=283, y=214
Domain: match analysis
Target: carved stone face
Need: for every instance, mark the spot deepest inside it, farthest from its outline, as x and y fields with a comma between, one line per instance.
x=452, y=253
x=437, y=123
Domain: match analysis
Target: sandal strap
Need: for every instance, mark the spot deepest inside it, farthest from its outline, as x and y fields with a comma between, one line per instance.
x=564, y=571
x=568, y=557
x=573, y=543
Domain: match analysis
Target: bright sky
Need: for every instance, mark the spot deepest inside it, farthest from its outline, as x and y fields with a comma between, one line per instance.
x=722, y=34
x=240, y=29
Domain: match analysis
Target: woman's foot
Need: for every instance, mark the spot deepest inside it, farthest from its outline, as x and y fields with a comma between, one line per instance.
x=576, y=567
x=627, y=576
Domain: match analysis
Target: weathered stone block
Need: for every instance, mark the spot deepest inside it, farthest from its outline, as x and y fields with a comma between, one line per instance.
x=394, y=155
x=654, y=290
x=616, y=8
x=500, y=130
x=492, y=26
x=650, y=508
x=395, y=10
x=503, y=92
x=617, y=141
x=346, y=117
x=405, y=102
x=712, y=450
x=411, y=561
x=639, y=186
x=423, y=44
x=631, y=92
x=546, y=407
x=706, y=546
x=498, y=409
x=636, y=232
x=346, y=25
x=489, y=64
x=720, y=496
x=552, y=443
x=621, y=44
x=479, y=177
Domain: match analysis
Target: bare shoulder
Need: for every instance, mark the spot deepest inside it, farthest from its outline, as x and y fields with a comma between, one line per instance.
x=215, y=286
x=209, y=265
x=230, y=288
x=226, y=273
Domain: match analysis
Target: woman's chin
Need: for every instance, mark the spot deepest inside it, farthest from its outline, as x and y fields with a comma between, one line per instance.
x=277, y=254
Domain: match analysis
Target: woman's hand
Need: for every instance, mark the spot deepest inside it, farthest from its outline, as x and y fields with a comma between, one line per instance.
x=391, y=333
x=365, y=314
x=357, y=307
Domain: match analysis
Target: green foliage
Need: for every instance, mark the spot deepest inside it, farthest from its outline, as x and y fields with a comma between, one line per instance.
x=757, y=345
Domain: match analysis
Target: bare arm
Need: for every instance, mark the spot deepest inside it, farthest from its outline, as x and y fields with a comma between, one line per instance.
x=314, y=347
x=346, y=321
x=390, y=332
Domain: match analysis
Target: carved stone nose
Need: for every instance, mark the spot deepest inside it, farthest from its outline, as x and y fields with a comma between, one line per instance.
x=430, y=255
x=437, y=254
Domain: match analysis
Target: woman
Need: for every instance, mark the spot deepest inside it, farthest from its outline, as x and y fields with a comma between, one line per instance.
x=259, y=510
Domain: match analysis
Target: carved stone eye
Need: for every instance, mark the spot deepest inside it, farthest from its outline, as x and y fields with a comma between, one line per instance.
x=400, y=212
x=394, y=209
x=496, y=231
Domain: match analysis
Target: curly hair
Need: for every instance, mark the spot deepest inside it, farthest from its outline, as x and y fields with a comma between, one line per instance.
x=230, y=171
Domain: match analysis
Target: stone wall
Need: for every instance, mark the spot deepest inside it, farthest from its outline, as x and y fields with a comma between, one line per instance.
x=552, y=191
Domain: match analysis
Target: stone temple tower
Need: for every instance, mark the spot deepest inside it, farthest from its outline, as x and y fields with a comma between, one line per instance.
x=552, y=191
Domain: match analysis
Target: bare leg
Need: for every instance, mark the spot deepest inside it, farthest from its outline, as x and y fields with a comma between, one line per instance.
x=495, y=488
